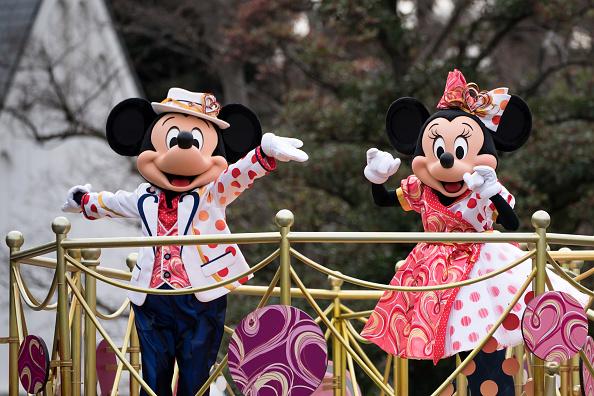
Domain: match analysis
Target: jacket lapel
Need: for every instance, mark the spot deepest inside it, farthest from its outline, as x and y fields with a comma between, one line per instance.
x=188, y=205
x=148, y=207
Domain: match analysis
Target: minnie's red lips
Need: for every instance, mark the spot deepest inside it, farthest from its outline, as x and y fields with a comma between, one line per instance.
x=453, y=187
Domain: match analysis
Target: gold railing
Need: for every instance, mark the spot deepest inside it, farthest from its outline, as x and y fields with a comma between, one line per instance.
x=75, y=257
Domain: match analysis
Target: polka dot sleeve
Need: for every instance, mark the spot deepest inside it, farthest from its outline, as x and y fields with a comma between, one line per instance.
x=490, y=210
x=106, y=204
x=238, y=177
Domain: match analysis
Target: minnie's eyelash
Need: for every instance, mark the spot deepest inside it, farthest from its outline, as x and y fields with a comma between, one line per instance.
x=465, y=133
x=433, y=134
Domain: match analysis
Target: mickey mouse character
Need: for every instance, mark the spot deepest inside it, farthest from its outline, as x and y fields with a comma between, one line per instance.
x=455, y=189
x=197, y=158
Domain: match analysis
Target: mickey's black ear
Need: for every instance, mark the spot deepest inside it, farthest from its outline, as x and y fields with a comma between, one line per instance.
x=126, y=125
x=404, y=120
x=244, y=133
x=514, y=127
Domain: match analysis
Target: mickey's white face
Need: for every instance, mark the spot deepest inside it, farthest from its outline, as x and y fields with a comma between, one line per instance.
x=451, y=149
x=182, y=160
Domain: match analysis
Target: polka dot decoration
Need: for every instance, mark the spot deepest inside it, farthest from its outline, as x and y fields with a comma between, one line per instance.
x=510, y=366
x=278, y=350
x=490, y=346
x=448, y=391
x=529, y=388
x=511, y=322
x=586, y=379
x=33, y=364
x=489, y=388
x=554, y=326
x=469, y=369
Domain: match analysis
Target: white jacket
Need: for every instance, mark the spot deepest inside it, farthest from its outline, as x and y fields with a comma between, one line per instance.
x=200, y=212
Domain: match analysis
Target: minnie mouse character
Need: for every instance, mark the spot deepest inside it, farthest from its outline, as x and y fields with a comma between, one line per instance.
x=197, y=158
x=455, y=189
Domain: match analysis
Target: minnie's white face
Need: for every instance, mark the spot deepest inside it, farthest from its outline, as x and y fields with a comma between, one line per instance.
x=182, y=160
x=451, y=149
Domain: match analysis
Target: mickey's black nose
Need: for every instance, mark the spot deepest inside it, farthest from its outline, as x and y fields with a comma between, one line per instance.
x=446, y=160
x=185, y=140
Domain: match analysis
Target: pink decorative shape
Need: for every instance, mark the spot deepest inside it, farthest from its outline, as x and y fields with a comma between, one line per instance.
x=33, y=364
x=586, y=379
x=105, y=376
x=278, y=350
x=554, y=326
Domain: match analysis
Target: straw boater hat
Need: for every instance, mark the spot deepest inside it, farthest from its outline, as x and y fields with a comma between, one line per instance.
x=198, y=104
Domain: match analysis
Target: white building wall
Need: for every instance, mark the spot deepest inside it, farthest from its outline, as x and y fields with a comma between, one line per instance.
x=79, y=38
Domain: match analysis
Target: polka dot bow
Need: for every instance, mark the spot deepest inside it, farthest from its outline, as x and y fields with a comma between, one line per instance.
x=488, y=106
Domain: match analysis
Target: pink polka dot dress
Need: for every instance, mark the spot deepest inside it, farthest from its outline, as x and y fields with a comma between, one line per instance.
x=439, y=324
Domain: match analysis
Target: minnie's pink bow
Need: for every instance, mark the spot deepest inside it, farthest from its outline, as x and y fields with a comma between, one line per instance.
x=489, y=106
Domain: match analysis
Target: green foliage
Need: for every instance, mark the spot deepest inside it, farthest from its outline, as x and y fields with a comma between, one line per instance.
x=331, y=88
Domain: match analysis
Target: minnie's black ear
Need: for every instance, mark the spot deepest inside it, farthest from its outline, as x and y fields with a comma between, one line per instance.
x=515, y=125
x=126, y=125
x=404, y=121
x=244, y=133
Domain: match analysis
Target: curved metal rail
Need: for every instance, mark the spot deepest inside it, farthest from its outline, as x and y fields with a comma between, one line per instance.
x=80, y=257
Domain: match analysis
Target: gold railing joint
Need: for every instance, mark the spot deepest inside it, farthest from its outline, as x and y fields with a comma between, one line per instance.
x=129, y=349
x=336, y=382
x=61, y=363
x=113, y=367
x=9, y=340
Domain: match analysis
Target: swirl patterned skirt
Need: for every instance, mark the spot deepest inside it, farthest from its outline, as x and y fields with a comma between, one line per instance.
x=439, y=324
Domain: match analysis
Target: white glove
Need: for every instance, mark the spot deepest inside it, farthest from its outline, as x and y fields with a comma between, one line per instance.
x=380, y=166
x=282, y=148
x=483, y=181
x=70, y=206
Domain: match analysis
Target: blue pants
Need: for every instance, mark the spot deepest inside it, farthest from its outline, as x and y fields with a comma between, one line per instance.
x=178, y=328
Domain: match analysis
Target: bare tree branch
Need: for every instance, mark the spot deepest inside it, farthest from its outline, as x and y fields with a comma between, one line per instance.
x=497, y=37
x=447, y=29
x=532, y=88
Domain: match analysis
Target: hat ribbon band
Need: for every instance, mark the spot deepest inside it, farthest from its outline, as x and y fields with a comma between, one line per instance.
x=192, y=106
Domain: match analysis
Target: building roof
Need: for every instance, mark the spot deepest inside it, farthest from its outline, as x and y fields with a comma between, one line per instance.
x=16, y=21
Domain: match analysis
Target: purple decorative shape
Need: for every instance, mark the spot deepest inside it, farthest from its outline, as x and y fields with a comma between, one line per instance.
x=105, y=376
x=554, y=326
x=33, y=364
x=278, y=350
x=586, y=378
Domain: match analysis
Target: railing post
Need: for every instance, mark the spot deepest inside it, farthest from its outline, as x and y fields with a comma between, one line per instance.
x=576, y=267
x=14, y=240
x=76, y=330
x=565, y=368
x=284, y=219
x=518, y=352
x=61, y=226
x=90, y=259
x=461, y=381
x=338, y=353
x=551, y=370
x=540, y=221
x=134, y=342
